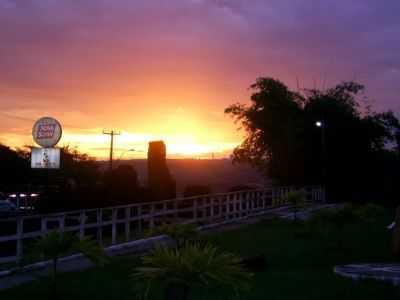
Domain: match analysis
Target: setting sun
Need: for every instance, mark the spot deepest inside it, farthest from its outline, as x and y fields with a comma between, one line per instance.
x=178, y=146
x=188, y=132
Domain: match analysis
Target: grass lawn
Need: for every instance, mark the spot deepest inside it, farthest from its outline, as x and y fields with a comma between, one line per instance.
x=299, y=263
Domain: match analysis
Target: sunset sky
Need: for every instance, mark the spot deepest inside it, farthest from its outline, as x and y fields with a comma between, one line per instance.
x=167, y=69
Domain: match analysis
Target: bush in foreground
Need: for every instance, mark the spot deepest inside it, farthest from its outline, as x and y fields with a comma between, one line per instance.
x=55, y=245
x=179, y=272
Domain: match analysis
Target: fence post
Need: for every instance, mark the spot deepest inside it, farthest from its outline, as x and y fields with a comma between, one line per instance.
x=205, y=202
x=323, y=194
x=82, y=221
x=114, y=226
x=195, y=210
x=99, y=226
x=255, y=202
x=164, y=213
x=151, y=224
x=139, y=220
x=20, y=234
x=227, y=207
x=127, y=224
x=176, y=211
x=263, y=199
x=234, y=201
x=273, y=201
x=248, y=203
x=242, y=201
x=43, y=226
x=212, y=206
x=220, y=206
x=62, y=224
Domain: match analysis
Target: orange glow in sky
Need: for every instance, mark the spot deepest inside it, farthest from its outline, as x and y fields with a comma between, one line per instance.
x=166, y=70
x=185, y=135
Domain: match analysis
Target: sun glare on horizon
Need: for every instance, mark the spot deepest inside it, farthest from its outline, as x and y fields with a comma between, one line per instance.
x=129, y=145
x=187, y=133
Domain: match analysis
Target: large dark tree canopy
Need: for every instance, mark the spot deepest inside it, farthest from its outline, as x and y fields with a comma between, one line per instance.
x=282, y=137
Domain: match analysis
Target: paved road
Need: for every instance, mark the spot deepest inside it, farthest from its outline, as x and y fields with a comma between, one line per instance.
x=387, y=272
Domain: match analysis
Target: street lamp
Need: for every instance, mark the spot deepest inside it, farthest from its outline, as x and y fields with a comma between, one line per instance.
x=122, y=154
x=321, y=124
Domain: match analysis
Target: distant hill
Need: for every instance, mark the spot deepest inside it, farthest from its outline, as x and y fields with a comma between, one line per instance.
x=219, y=174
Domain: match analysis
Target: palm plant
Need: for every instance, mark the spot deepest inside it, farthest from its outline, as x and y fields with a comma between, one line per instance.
x=180, y=233
x=179, y=271
x=297, y=199
x=54, y=245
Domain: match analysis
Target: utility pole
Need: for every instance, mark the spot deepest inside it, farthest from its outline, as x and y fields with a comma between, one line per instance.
x=111, y=134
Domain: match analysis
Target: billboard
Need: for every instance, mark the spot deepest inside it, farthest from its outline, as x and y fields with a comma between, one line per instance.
x=45, y=158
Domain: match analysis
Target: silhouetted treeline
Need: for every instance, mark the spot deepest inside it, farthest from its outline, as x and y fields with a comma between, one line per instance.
x=321, y=137
x=14, y=167
x=80, y=183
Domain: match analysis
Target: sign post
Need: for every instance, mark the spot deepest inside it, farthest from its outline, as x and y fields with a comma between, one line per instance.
x=46, y=132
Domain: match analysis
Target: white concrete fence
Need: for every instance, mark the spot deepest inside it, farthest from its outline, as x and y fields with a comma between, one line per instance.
x=113, y=225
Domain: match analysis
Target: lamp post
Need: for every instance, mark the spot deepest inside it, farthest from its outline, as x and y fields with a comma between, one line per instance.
x=322, y=125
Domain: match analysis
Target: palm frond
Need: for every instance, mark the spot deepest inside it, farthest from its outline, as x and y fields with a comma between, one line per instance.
x=192, y=266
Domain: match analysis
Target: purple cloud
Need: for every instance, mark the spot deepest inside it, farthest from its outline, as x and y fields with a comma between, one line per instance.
x=59, y=55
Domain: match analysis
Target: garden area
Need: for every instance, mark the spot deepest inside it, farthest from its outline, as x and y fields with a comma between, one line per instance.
x=281, y=259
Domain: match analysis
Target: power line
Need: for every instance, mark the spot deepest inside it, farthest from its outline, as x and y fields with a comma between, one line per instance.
x=111, y=133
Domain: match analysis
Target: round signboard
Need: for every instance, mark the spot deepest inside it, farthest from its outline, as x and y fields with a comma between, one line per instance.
x=46, y=132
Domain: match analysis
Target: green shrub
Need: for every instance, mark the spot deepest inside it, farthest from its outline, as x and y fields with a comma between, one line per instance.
x=177, y=272
x=370, y=212
x=344, y=216
x=55, y=245
x=327, y=222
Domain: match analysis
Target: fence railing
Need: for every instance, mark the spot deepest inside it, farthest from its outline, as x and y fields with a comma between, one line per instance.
x=113, y=225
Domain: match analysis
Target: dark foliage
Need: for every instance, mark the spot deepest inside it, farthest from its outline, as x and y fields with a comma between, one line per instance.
x=121, y=185
x=14, y=167
x=196, y=190
x=161, y=184
x=354, y=153
x=79, y=183
x=255, y=263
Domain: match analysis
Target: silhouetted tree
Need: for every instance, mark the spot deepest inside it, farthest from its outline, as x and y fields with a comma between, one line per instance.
x=161, y=183
x=73, y=186
x=273, y=124
x=122, y=185
x=15, y=168
x=79, y=167
x=282, y=139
